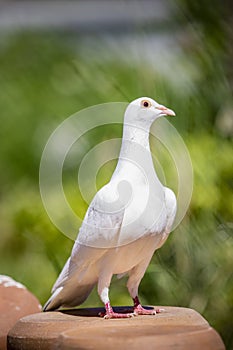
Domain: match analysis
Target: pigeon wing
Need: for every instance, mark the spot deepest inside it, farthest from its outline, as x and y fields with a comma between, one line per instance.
x=102, y=224
x=100, y=229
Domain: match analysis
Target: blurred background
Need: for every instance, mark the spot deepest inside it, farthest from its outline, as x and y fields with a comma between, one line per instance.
x=57, y=57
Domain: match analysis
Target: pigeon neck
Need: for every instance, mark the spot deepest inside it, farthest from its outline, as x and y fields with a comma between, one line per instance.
x=135, y=159
x=136, y=134
x=135, y=148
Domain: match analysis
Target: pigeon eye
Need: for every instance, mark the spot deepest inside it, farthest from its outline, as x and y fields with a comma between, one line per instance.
x=146, y=104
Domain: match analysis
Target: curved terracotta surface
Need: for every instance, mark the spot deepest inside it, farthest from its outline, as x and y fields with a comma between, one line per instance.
x=175, y=328
x=15, y=302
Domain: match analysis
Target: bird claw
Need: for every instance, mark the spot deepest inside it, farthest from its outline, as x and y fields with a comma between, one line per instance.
x=118, y=315
x=139, y=310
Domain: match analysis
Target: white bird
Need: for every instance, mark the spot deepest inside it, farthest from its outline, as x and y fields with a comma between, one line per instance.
x=127, y=220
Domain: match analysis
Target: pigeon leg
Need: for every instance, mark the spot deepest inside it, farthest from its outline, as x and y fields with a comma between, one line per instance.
x=103, y=291
x=134, y=280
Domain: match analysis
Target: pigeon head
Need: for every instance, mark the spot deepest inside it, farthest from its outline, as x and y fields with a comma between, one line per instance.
x=144, y=110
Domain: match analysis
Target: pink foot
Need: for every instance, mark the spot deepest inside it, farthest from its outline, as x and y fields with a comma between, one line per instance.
x=111, y=314
x=139, y=310
x=117, y=315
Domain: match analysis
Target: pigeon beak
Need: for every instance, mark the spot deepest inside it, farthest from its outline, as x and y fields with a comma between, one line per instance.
x=166, y=111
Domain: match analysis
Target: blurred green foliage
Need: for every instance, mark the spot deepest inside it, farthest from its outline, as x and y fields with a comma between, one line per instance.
x=44, y=78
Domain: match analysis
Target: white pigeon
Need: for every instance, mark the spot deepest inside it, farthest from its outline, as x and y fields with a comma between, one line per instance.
x=127, y=220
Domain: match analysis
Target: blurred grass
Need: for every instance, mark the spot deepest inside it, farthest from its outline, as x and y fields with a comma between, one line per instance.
x=43, y=80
